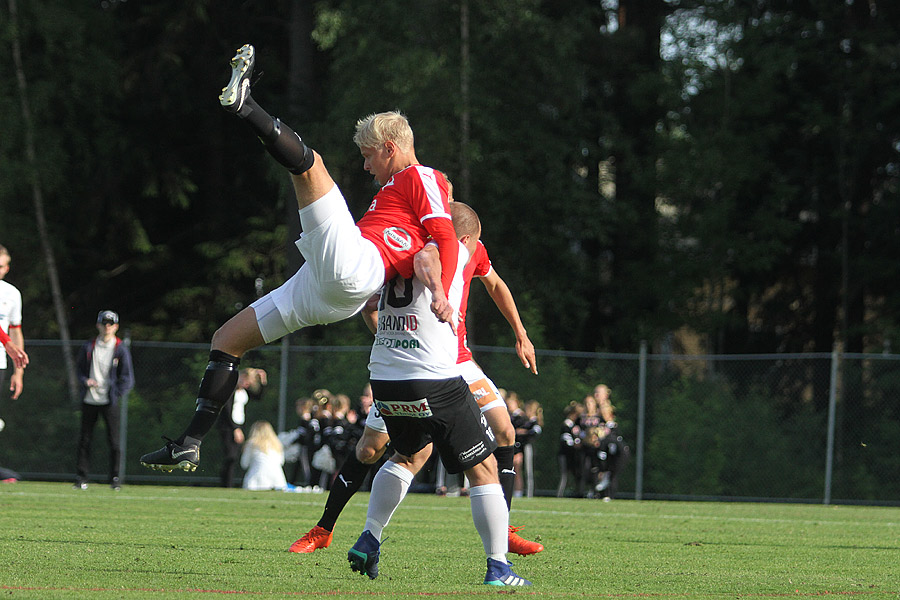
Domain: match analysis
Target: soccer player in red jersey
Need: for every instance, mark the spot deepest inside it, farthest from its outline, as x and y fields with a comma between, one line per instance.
x=346, y=262
x=372, y=444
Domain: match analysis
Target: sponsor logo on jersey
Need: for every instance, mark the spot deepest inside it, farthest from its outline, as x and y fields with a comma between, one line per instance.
x=397, y=238
x=473, y=452
x=398, y=323
x=404, y=408
x=479, y=390
x=395, y=343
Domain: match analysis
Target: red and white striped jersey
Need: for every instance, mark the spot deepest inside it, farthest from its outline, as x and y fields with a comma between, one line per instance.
x=410, y=207
x=479, y=266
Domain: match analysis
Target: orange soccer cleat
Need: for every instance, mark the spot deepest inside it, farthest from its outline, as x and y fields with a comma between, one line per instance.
x=521, y=546
x=317, y=537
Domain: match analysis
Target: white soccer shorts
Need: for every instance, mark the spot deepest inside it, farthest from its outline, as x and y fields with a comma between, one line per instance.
x=342, y=271
x=486, y=393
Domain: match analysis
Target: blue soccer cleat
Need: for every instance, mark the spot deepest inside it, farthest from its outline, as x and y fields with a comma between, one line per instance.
x=363, y=556
x=499, y=573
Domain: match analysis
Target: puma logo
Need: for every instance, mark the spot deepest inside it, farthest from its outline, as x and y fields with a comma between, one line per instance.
x=344, y=481
x=509, y=471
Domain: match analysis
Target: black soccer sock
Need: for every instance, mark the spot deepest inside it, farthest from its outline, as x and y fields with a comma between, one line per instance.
x=216, y=387
x=349, y=479
x=506, y=471
x=279, y=139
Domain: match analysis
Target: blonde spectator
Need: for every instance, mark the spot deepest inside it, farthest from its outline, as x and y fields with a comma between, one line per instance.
x=263, y=458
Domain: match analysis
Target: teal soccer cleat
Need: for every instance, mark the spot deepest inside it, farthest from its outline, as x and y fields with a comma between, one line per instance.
x=363, y=556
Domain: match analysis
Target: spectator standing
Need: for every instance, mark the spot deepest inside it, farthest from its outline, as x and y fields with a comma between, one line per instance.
x=529, y=424
x=590, y=421
x=342, y=434
x=569, y=454
x=610, y=453
x=321, y=456
x=298, y=442
x=250, y=386
x=263, y=459
x=106, y=375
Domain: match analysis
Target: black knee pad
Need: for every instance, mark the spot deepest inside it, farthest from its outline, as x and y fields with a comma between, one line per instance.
x=288, y=149
x=218, y=382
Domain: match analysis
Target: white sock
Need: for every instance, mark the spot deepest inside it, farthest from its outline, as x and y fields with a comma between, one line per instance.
x=389, y=487
x=491, y=519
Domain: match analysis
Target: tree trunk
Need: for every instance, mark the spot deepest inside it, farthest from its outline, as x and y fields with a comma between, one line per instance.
x=38, y=199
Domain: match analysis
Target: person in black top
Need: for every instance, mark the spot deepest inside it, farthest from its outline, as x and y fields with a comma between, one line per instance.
x=569, y=454
x=250, y=386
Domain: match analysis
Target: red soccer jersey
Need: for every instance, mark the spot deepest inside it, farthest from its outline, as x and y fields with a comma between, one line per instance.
x=409, y=208
x=478, y=266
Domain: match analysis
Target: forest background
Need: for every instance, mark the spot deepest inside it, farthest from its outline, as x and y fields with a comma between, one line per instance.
x=706, y=176
x=643, y=168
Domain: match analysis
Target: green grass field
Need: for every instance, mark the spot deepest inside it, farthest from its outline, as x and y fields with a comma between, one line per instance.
x=187, y=542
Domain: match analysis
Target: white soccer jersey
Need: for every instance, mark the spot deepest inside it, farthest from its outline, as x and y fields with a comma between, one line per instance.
x=10, y=311
x=410, y=342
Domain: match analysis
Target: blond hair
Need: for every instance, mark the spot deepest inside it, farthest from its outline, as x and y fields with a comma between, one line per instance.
x=376, y=129
x=533, y=409
x=262, y=436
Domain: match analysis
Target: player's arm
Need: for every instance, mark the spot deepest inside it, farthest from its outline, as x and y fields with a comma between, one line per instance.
x=503, y=298
x=444, y=235
x=370, y=313
x=18, y=356
x=428, y=268
x=16, y=380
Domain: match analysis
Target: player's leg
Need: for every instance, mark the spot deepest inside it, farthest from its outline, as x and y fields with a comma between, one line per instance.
x=389, y=487
x=281, y=142
x=489, y=510
x=498, y=418
x=238, y=335
x=89, y=415
x=371, y=446
x=111, y=418
x=350, y=478
x=311, y=179
x=491, y=517
x=494, y=410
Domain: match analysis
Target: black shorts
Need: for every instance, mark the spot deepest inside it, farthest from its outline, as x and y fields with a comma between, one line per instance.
x=442, y=411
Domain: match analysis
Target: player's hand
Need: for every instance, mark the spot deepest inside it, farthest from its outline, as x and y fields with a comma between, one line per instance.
x=238, y=436
x=16, y=385
x=18, y=356
x=525, y=350
x=443, y=310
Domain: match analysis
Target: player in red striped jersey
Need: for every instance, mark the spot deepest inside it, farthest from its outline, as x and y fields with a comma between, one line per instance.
x=373, y=443
x=346, y=263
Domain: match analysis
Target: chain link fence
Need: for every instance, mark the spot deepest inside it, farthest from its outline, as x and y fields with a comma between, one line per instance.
x=821, y=428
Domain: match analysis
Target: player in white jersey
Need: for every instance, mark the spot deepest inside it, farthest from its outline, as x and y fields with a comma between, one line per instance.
x=422, y=399
x=11, y=327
